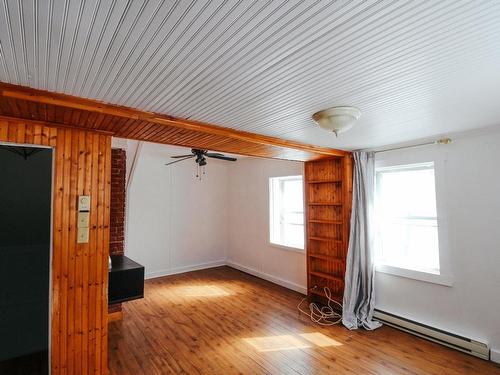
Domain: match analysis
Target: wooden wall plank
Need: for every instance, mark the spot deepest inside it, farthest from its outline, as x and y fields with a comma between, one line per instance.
x=12, y=132
x=82, y=165
x=77, y=367
x=71, y=296
x=105, y=251
x=100, y=240
x=93, y=271
x=85, y=264
x=57, y=241
x=21, y=131
x=4, y=129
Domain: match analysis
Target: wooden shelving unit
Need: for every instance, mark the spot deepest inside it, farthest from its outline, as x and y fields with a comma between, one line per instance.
x=323, y=181
x=328, y=195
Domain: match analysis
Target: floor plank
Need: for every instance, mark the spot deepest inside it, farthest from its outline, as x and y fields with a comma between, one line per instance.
x=223, y=321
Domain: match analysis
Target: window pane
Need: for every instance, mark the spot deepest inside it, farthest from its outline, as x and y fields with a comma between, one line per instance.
x=407, y=229
x=293, y=218
x=408, y=192
x=293, y=235
x=292, y=196
x=286, y=211
x=410, y=245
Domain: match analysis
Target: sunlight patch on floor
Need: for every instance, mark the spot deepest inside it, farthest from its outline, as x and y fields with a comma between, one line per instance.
x=290, y=342
x=320, y=339
x=201, y=291
x=275, y=343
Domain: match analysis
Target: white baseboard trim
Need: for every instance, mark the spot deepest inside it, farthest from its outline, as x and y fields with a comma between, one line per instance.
x=495, y=355
x=177, y=270
x=222, y=262
x=276, y=280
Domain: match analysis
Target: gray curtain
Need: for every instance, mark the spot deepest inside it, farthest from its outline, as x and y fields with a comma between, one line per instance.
x=359, y=298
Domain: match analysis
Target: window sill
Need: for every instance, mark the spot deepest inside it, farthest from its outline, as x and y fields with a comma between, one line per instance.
x=289, y=248
x=427, y=277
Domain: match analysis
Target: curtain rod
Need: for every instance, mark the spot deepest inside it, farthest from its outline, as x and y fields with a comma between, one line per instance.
x=442, y=141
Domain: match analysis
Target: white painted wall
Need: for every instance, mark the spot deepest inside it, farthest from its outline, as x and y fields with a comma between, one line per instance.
x=471, y=206
x=249, y=248
x=176, y=223
x=230, y=211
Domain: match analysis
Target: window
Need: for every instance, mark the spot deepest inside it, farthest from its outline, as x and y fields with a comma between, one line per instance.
x=286, y=203
x=407, y=225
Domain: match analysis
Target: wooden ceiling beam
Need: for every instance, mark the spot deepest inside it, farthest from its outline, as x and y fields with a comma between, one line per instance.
x=72, y=102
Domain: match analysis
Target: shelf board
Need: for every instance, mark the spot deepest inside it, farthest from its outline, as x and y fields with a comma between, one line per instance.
x=327, y=276
x=325, y=221
x=324, y=204
x=336, y=297
x=326, y=239
x=326, y=257
x=324, y=181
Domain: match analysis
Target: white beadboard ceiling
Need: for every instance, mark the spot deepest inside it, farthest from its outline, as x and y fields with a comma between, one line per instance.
x=415, y=68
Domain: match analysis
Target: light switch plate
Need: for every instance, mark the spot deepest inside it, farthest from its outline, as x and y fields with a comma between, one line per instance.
x=83, y=235
x=83, y=219
x=84, y=203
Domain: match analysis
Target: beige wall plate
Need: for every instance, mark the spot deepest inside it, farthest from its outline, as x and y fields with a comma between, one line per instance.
x=83, y=219
x=83, y=235
x=84, y=203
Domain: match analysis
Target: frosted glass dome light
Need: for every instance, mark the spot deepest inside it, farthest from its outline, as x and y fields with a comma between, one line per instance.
x=337, y=119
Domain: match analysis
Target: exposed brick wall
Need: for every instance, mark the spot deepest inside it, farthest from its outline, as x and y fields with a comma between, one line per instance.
x=117, y=209
x=117, y=214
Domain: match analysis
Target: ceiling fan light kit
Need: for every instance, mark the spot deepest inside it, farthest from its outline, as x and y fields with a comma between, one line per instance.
x=337, y=119
x=201, y=159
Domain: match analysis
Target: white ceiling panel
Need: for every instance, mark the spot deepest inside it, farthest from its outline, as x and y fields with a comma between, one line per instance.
x=415, y=68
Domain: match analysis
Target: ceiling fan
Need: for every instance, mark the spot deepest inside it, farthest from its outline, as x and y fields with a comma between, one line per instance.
x=201, y=159
x=201, y=156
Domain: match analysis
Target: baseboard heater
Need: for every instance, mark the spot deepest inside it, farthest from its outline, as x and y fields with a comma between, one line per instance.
x=451, y=340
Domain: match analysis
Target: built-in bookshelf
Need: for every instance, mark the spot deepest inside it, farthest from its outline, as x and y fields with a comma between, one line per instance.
x=328, y=195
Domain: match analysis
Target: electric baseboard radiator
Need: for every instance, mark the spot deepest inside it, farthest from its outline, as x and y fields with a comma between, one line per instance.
x=451, y=340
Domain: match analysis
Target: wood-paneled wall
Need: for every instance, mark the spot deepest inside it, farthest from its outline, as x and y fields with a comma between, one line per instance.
x=82, y=166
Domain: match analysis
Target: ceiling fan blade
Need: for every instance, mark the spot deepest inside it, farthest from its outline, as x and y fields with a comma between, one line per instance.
x=181, y=156
x=185, y=158
x=221, y=157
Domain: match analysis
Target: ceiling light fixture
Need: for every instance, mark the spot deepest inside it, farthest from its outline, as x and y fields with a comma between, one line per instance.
x=337, y=119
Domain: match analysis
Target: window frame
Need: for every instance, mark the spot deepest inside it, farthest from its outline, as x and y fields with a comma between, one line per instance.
x=270, y=200
x=403, y=158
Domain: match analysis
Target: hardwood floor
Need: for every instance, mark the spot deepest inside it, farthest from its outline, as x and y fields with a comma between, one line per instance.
x=222, y=321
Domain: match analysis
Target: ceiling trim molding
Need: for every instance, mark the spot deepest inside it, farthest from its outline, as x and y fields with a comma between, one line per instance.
x=72, y=102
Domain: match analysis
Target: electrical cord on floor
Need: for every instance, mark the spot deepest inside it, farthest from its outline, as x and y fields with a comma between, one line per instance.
x=326, y=315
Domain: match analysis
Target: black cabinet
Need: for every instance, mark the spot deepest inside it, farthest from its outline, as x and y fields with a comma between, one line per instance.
x=126, y=280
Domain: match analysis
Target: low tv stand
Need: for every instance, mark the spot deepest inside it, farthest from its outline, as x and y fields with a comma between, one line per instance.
x=126, y=280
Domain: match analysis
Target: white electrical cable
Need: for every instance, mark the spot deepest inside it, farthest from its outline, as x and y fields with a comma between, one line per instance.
x=326, y=315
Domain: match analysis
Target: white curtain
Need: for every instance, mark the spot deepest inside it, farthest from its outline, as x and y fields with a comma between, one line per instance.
x=359, y=297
